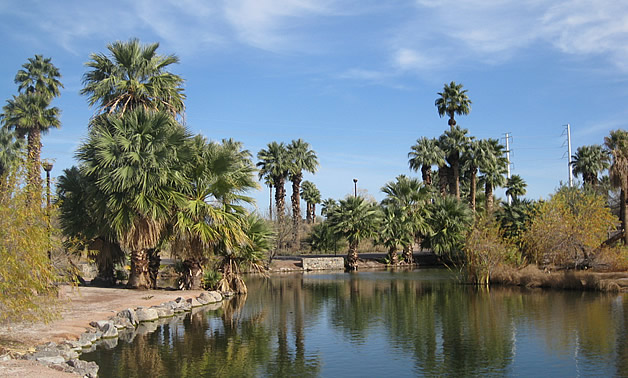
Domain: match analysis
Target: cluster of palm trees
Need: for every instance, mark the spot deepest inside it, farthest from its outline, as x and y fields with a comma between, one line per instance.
x=279, y=162
x=144, y=183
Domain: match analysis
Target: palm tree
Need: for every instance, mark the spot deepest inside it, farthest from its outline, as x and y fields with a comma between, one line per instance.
x=516, y=187
x=136, y=163
x=302, y=158
x=355, y=219
x=134, y=75
x=327, y=207
x=471, y=160
x=449, y=221
x=426, y=153
x=453, y=100
x=312, y=196
x=617, y=144
x=493, y=167
x=454, y=142
x=268, y=181
x=409, y=197
x=395, y=230
x=588, y=161
x=10, y=149
x=29, y=114
x=274, y=161
x=40, y=76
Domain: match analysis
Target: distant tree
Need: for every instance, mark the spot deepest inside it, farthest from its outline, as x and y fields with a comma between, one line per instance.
x=493, y=167
x=312, y=196
x=133, y=75
x=327, y=206
x=617, y=145
x=515, y=187
x=454, y=143
x=425, y=154
x=449, y=222
x=275, y=162
x=301, y=158
x=355, y=219
x=451, y=101
x=589, y=161
x=471, y=160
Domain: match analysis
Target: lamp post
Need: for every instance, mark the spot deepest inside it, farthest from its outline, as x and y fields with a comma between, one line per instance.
x=48, y=167
x=355, y=187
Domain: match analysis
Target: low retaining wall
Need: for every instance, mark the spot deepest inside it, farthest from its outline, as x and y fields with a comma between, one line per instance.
x=323, y=263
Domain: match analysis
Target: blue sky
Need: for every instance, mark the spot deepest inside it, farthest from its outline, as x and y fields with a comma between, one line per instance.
x=355, y=79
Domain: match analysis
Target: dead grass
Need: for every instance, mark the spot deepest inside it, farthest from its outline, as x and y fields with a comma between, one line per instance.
x=531, y=276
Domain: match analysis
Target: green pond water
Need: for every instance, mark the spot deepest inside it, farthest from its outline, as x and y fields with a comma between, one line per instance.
x=379, y=324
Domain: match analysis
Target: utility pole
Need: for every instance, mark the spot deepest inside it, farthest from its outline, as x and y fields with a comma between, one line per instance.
x=507, y=137
x=355, y=187
x=568, y=130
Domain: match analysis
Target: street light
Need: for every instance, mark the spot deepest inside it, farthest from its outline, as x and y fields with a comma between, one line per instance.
x=355, y=187
x=48, y=167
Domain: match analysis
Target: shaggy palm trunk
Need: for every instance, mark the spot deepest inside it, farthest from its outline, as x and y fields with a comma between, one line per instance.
x=392, y=256
x=408, y=258
x=313, y=215
x=34, y=152
x=352, y=256
x=140, y=276
x=270, y=202
x=443, y=174
x=296, y=209
x=154, y=261
x=192, y=275
x=473, y=188
x=455, y=174
x=104, y=262
x=488, y=191
x=308, y=213
x=426, y=174
x=280, y=196
x=623, y=211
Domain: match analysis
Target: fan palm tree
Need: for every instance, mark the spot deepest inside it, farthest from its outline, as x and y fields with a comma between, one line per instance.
x=617, y=144
x=312, y=196
x=29, y=114
x=425, y=154
x=493, y=167
x=268, y=181
x=355, y=219
x=471, y=160
x=40, y=76
x=136, y=163
x=449, y=222
x=409, y=197
x=454, y=142
x=588, y=161
x=515, y=187
x=302, y=158
x=395, y=230
x=327, y=206
x=133, y=75
x=451, y=101
x=274, y=161
x=10, y=150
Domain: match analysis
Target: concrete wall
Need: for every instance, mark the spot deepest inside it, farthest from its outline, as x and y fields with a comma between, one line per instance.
x=323, y=263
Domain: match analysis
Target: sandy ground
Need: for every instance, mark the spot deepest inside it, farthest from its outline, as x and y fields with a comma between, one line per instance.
x=80, y=306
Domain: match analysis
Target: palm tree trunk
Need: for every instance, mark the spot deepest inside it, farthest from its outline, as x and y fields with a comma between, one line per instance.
x=296, y=208
x=139, y=277
x=154, y=261
x=426, y=174
x=488, y=191
x=407, y=254
x=623, y=210
x=34, y=152
x=280, y=195
x=455, y=172
x=308, y=213
x=352, y=256
x=313, y=216
x=270, y=202
x=392, y=256
x=192, y=275
x=442, y=180
x=473, y=188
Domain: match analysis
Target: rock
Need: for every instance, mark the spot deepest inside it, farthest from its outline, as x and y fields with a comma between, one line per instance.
x=215, y=295
x=88, y=338
x=193, y=302
x=146, y=314
x=203, y=299
x=51, y=360
x=5, y=357
x=74, y=345
x=122, y=322
x=109, y=331
x=163, y=311
x=130, y=315
x=84, y=368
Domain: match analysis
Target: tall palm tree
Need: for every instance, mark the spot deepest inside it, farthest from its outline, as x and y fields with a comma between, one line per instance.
x=30, y=114
x=425, y=154
x=471, y=158
x=617, y=144
x=10, y=149
x=454, y=142
x=515, y=187
x=588, y=161
x=274, y=161
x=40, y=76
x=136, y=162
x=268, y=181
x=133, y=75
x=451, y=101
x=493, y=168
x=312, y=196
x=302, y=158
x=355, y=219
x=409, y=197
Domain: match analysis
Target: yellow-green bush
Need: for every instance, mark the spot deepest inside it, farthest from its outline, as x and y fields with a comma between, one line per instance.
x=27, y=277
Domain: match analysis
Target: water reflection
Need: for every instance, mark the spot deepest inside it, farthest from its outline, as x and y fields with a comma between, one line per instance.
x=384, y=323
